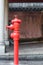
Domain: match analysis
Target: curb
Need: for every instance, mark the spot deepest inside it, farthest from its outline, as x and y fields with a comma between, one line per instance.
x=28, y=57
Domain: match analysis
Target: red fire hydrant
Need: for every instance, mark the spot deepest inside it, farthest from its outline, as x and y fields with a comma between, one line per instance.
x=15, y=35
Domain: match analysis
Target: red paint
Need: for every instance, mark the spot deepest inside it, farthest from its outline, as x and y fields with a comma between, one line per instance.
x=15, y=35
x=10, y=27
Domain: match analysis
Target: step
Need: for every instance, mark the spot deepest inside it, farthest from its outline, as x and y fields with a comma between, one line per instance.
x=22, y=62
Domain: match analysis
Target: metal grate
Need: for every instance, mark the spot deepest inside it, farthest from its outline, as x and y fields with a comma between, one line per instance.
x=26, y=6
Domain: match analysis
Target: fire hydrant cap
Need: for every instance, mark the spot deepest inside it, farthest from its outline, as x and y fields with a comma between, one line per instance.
x=16, y=20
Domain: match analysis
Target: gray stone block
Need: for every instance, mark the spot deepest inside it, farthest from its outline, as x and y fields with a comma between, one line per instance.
x=2, y=49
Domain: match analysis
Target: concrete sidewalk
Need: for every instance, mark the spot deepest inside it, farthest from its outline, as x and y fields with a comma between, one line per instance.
x=29, y=51
x=28, y=55
x=9, y=56
x=22, y=63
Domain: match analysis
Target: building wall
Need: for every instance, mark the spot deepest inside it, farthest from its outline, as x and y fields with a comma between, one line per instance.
x=25, y=1
x=31, y=26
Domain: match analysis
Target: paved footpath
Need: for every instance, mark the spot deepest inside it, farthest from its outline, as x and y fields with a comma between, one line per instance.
x=22, y=63
x=34, y=55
